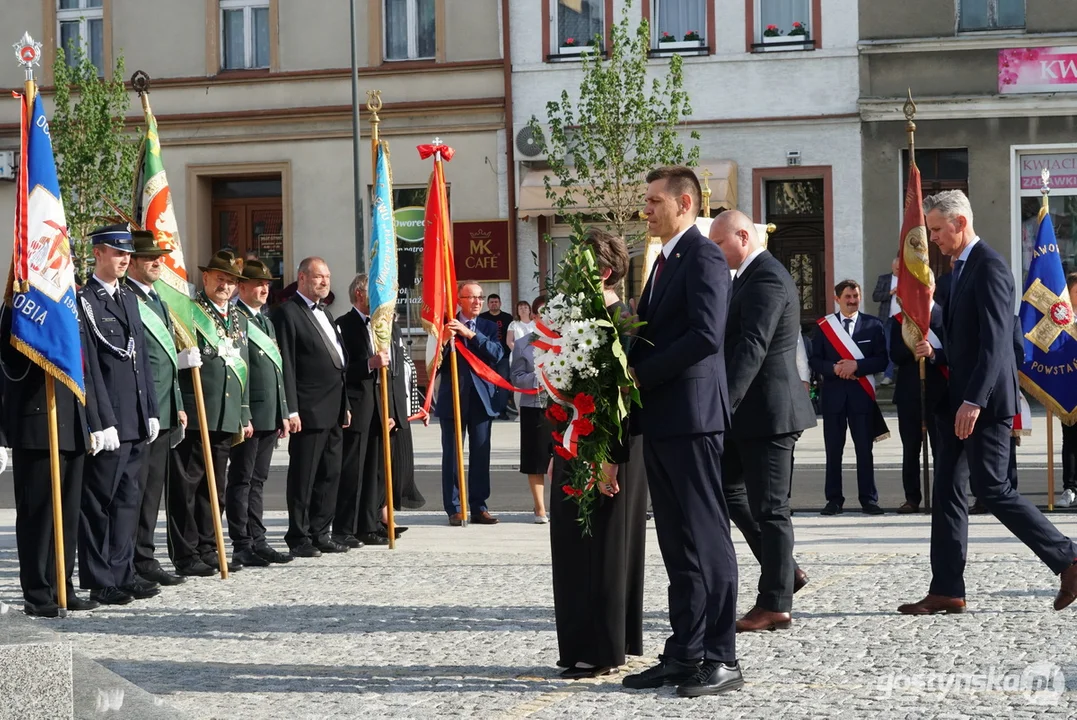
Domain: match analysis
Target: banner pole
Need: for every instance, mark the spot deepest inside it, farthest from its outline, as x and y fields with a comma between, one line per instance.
x=57, y=498
x=1050, y=460
x=924, y=434
x=211, y=479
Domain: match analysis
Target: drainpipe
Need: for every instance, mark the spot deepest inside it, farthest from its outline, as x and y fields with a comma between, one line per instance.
x=510, y=148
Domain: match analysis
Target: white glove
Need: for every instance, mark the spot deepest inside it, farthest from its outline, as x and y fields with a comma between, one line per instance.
x=110, y=439
x=189, y=358
x=3, y=459
x=155, y=428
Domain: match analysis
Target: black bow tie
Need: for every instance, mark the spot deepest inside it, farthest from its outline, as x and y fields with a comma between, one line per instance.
x=318, y=306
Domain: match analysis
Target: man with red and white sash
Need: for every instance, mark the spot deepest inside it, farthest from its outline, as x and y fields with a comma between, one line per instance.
x=848, y=350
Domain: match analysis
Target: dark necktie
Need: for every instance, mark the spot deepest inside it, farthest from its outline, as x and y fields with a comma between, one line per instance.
x=847, y=322
x=658, y=265
x=958, y=265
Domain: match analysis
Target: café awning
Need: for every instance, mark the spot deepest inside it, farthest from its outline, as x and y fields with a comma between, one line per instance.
x=533, y=201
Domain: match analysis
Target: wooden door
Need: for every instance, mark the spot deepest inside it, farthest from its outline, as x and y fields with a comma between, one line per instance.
x=251, y=226
x=799, y=242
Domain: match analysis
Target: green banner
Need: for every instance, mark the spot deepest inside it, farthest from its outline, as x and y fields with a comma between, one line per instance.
x=207, y=327
x=265, y=343
x=153, y=322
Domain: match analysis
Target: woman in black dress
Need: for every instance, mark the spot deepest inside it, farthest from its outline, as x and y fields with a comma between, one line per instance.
x=598, y=579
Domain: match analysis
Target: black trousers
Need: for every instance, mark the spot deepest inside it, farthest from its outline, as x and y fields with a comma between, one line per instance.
x=860, y=427
x=190, y=515
x=314, y=458
x=108, y=523
x=155, y=473
x=685, y=478
x=33, y=520
x=248, y=468
x=912, y=450
x=358, y=506
x=756, y=478
x=988, y=452
x=1069, y=457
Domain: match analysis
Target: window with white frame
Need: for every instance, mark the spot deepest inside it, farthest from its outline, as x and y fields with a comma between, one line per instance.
x=410, y=30
x=577, y=22
x=81, y=25
x=677, y=21
x=991, y=14
x=244, y=34
x=789, y=19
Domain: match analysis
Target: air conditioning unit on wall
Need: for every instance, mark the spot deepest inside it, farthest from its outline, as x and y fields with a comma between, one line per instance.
x=531, y=141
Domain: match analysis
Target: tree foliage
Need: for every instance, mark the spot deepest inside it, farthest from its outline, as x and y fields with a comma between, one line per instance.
x=602, y=142
x=95, y=152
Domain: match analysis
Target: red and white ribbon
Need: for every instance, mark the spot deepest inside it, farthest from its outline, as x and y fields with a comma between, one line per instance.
x=843, y=344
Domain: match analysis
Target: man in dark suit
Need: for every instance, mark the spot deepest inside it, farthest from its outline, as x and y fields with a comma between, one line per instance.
x=907, y=399
x=678, y=363
x=848, y=350
x=248, y=462
x=770, y=411
x=142, y=273
x=225, y=372
x=358, y=509
x=127, y=402
x=983, y=395
x=314, y=361
x=478, y=407
x=24, y=428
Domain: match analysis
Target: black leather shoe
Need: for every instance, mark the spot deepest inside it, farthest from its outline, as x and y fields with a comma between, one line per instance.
x=195, y=569
x=111, y=596
x=348, y=540
x=276, y=558
x=831, y=509
x=77, y=604
x=373, y=539
x=578, y=673
x=306, y=550
x=327, y=545
x=713, y=678
x=668, y=671
x=162, y=577
x=142, y=590
x=211, y=560
x=49, y=610
x=400, y=530
x=872, y=509
x=249, y=558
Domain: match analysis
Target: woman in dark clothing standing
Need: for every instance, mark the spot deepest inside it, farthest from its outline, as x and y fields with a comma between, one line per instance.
x=598, y=579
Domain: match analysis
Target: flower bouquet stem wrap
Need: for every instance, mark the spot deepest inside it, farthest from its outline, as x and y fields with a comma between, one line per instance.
x=582, y=367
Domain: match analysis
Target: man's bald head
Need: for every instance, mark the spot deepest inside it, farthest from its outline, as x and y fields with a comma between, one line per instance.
x=735, y=234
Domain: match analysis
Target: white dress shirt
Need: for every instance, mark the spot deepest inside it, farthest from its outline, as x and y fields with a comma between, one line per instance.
x=110, y=288
x=667, y=250
x=852, y=326
x=323, y=320
x=748, y=260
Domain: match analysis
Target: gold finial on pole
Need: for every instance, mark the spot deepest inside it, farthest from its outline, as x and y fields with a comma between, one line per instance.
x=1045, y=188
x=706, y=192
x=910, y=126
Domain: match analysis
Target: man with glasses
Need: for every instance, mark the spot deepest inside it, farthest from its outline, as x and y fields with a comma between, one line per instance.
x=478, y=408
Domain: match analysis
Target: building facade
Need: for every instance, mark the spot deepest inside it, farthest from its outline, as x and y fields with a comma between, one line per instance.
x=995, y=85
x=777, y=116
x=253, y=102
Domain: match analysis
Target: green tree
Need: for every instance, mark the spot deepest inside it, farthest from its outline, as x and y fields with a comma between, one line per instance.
x=602, y=142
x=95, y=152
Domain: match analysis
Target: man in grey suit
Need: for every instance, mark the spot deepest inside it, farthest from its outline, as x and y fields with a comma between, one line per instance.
x=770, y=410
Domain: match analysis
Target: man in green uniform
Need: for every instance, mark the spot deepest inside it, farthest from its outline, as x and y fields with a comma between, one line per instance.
x=222, y=341
x=142, y=273
x=249, y=461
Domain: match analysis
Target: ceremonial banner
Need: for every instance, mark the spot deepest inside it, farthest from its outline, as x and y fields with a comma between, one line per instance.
x=41, y=290
x=914, y=278
x=1050, y=361
x=439, y=304
x=154, y=212
x=382, y=285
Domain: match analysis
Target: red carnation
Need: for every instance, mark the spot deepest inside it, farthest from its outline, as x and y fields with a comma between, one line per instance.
x=556, y=413
x=583, y=426
x=558, y=437
x=562, y=452
x=584, y=403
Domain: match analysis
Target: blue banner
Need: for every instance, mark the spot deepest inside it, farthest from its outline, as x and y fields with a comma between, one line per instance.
x=383, y=271
x=1049, y=371
x=44, y=316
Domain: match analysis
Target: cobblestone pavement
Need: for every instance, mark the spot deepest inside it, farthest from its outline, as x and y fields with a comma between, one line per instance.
x=458, y=622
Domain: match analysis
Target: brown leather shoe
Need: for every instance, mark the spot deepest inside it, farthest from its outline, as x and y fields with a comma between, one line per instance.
x=1068, y=592
x=907, y=508
x=484, y=518
x=800, y=579
x=456, y=520
x=759, y=619
x=934, y=604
